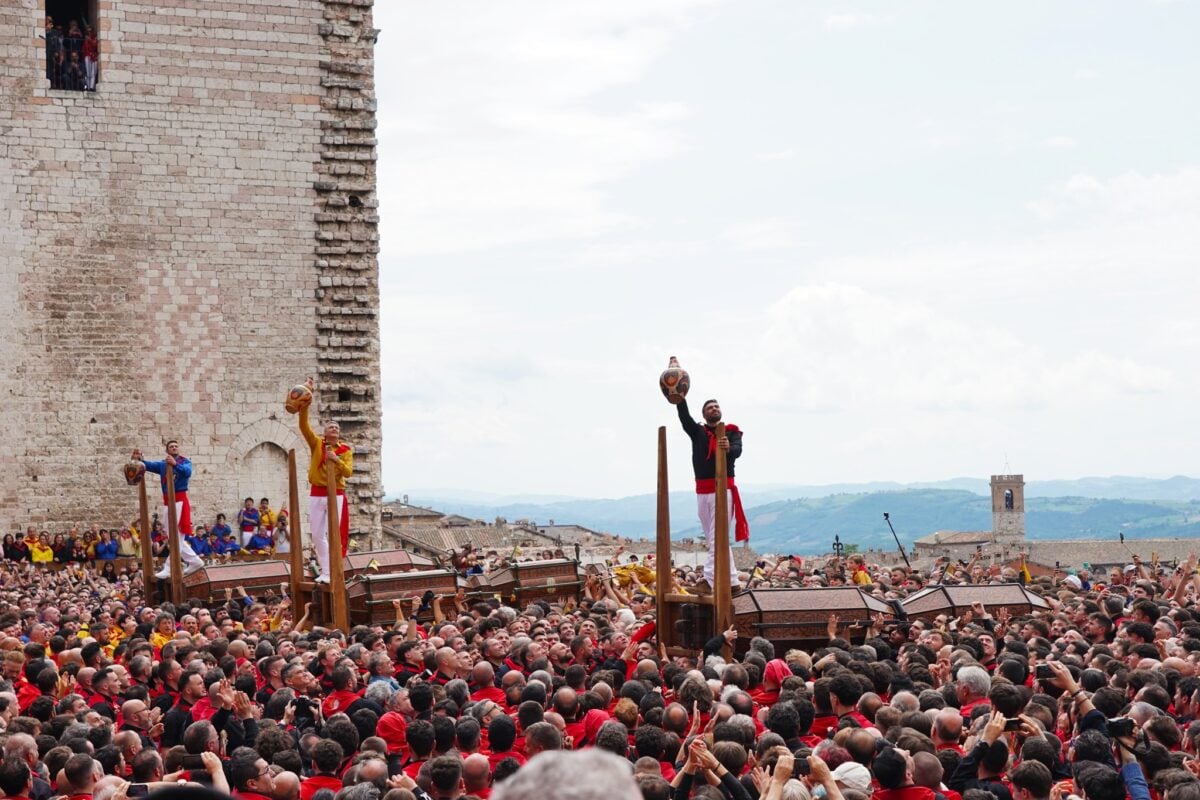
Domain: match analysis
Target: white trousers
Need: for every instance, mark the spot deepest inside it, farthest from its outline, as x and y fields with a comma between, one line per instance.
x=318, y=527
x=186, y=554
x=89, y=81
x=706, y=509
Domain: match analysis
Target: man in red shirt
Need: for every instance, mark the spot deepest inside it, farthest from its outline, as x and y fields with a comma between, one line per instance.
x=844, y=694
x=327, y=756
x=893, y=769
x=343, y=694
x=251, y=776
x=477, y=776
x=483, y=683
x=972, y=686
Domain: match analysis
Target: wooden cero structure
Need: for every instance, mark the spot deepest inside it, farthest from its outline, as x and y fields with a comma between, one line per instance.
x=148, y=569
x=670, y=604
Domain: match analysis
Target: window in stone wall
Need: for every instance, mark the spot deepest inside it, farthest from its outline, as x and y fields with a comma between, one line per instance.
x=72, y=44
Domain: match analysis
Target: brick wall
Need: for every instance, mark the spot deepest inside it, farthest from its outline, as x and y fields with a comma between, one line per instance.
x=176, y=244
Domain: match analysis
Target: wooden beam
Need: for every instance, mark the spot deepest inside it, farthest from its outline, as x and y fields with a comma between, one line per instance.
x=722, y=591
x=148, y=570
x=174, y=539
x=295, y=538
x=337, y=575
x=662, y=552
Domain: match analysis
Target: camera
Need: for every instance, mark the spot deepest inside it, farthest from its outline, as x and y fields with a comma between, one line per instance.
x=1043, y=672
x=192, y=762
x=1012, y=724
x=1121, y=726
x=800, y=767
x=304, y=707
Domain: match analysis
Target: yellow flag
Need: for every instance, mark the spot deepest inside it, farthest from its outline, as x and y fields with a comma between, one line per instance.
x=1026, y=578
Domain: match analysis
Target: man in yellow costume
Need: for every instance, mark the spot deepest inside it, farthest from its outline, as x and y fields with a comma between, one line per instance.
x=329, y=446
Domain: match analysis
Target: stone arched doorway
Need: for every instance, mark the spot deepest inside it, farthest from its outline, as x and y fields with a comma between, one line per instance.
x=264, y=474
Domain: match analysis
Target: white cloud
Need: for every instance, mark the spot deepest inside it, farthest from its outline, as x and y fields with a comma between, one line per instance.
x=1059, y=143
x=771, y=233
x=1126, y=197
x=851, y=20
x=778, y=155
x=489, y=137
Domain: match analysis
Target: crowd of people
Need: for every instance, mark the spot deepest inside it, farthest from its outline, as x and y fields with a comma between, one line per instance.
x=104, y=696
x=261, y=529
x=72, y=55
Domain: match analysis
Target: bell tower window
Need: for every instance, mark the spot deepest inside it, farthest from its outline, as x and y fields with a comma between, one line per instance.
x=71, y=30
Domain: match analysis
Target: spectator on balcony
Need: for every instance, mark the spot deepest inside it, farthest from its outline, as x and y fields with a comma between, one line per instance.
x=106, y=548
x=42, y=553
x=227, y=546
x=260, y=542
x=54, y=48
x=62, y=550
x=91, y=59
x=127, y=544
x=266, y=517
x=15, y=548
x=248, y=520
x=283, y=537
x=221, y=528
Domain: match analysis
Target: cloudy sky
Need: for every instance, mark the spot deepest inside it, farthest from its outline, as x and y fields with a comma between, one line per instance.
x=898, y=241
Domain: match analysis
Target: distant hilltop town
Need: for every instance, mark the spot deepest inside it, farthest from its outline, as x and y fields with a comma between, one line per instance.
x=434, y=532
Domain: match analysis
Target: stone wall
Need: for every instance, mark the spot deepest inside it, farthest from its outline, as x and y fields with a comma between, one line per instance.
x=182, y=246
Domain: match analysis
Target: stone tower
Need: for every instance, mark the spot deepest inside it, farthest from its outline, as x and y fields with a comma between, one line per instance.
x=1008, y=507
x=182, y=245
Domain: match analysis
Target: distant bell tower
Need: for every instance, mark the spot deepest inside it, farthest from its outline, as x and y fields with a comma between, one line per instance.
x=1008, y=507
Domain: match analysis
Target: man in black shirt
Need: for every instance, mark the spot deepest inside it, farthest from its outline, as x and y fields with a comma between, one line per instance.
x=704, y=465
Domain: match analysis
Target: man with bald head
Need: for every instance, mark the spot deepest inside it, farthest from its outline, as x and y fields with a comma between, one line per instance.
x=675, y=720
x=477, y=775
x=22, y=747
x=947, y=730
x=483, y=683
x=287, y=786
x=137, y=718
x=447, y=666
x=129, y=744
x=927, y=771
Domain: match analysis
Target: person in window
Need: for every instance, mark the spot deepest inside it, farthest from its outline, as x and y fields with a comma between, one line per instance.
x=54, y=46
x=73, y=76
x=91, y=59
x=73, y=40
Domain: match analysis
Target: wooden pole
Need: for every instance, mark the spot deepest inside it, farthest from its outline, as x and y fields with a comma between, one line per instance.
x=174, y=539
x=722, y=591
x=294, y=531
x=148, y=569
x=337, y=577
x=662, y=553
